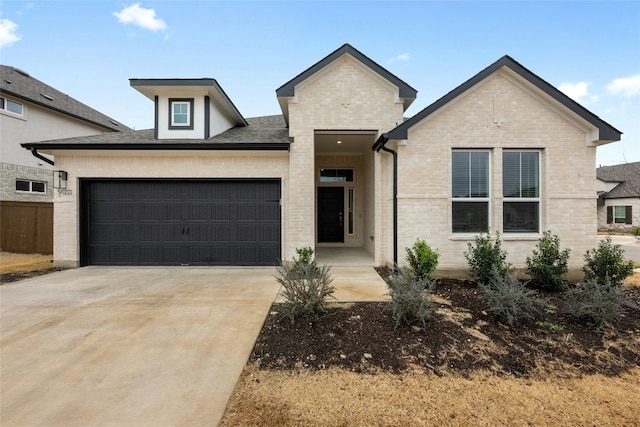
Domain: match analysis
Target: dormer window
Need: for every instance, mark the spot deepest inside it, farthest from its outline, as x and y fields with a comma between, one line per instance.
x=181, y=113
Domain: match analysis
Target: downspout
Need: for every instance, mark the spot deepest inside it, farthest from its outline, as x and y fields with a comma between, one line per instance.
x=381, y=146
x=35, y=153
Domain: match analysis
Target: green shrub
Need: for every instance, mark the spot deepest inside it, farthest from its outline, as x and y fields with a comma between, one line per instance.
x=607, y=263
x=305, y=258
x=599, y=302
x=409, y=296
x=305, y=286
x=484, y=256
x=548, y=265
x=510, y=300
x=635, y=231
x=422, y=259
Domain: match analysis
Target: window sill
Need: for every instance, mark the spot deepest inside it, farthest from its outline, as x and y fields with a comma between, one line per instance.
x=521, y=236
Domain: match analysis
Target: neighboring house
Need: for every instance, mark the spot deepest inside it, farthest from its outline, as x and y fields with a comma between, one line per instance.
x=32, y=111
x=618, y=190
x=505, y=151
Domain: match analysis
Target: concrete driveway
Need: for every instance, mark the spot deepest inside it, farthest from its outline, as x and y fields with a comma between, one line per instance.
x=128, y=346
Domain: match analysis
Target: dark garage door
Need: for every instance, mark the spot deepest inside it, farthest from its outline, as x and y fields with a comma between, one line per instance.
x=187, y=222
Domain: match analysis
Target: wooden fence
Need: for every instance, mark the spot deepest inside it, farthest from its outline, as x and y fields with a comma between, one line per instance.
x=26, y=227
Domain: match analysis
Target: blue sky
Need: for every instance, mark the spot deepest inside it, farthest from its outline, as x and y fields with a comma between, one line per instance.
x=89, y=49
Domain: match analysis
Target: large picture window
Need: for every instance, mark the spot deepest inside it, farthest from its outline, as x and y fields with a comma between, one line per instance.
x=180, y=113
x=521, y=191
x=470, y=191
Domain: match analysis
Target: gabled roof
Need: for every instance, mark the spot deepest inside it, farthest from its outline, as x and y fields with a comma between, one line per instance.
x=627, y=174
x=151, y=87
x=21, y=85
x=405, y=91
x=607, y=132
x=262, y=133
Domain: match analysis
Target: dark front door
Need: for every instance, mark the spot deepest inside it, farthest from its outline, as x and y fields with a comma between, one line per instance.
x=330, y=214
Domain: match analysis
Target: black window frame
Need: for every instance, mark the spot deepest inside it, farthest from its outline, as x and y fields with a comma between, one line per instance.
x=521, y=213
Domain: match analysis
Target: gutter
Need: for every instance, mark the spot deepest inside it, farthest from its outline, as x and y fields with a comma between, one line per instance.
x=380, y=145
x=35, y=153
x=250, y=146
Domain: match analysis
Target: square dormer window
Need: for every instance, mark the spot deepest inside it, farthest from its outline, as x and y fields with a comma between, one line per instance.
x=181, y=113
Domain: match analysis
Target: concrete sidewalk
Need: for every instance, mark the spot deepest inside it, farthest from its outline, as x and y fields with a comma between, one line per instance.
x=161, y=346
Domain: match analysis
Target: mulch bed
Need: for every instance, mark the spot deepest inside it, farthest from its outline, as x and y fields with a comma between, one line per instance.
x=460, y=338
x=15, y=277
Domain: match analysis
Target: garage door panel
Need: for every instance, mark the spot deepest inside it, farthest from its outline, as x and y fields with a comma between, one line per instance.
x=171, y=222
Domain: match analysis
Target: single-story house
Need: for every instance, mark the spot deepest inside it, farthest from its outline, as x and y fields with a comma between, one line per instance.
x=341, y=167
x=618, y=190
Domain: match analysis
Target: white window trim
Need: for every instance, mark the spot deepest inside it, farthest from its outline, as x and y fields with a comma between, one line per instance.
x=465, y=235
x=623, y=218
x=524, y=199
x=189, y=102
x=30, y=191
x=5, y=110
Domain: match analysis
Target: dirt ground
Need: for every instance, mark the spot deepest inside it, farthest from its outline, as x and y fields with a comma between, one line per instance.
x=14, y=267
x=353, y=367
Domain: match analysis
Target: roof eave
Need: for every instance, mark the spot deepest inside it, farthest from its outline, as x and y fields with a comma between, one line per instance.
x=248, y=146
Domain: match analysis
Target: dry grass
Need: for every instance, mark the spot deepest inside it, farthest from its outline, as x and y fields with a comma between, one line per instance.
x=343, y=398
x=20, y=263
x=633, y=280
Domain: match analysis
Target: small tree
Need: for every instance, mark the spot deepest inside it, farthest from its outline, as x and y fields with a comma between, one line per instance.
x=548, y=265
x=485, y=256
x=422, y=259
x=607, y=263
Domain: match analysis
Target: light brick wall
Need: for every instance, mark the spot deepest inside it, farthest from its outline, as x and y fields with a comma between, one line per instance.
x=159, y=165
x=517, y=120
x=345, y=95
x=8, y=175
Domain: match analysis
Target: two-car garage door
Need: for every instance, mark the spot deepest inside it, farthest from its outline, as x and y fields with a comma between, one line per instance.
x=180, y=222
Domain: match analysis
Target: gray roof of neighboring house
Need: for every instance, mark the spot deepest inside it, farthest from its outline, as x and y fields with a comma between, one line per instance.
x=261, y=133
x=627, y=174
x=21, y=85
x=607, y=132
x=287, y=89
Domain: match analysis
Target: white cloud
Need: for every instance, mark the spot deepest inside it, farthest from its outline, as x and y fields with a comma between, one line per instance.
x=402, y=57
x=8, y=34
x=626, y=86
x=144, y=18
x=579, y=92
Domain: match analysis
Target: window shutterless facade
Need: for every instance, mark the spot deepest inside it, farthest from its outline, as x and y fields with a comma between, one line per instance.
x=180, y=113
x=26, y=186
x=470, y=191
x=521, y=191
x=11, y=106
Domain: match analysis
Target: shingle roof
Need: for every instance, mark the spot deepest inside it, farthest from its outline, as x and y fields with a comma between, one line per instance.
x=262, y=133
x=21, y=85
x=607, y=132
x=627, y=174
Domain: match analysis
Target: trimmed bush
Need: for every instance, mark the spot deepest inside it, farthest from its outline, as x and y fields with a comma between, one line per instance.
x=422, y=259
x=548, y=265
x=607, y=263
x=305, y=286
x=486, y=255
x=599, y=302
x=510, y=300
x=409, y=297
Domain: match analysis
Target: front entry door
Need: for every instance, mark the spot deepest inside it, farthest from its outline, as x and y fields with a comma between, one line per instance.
x=331, y=215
